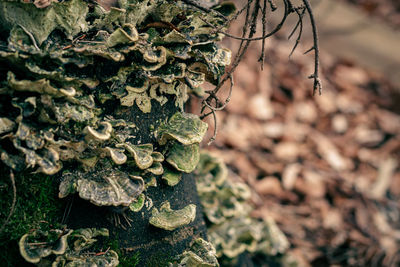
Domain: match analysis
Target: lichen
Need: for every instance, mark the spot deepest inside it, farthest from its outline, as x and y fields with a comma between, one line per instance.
x=169, y=219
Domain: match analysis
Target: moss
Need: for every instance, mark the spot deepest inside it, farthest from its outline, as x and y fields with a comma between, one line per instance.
x=125, y=260
x=36, y=201
x=129, y=261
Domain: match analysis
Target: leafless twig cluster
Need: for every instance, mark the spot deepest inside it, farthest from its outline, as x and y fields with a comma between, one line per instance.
x=256, y=12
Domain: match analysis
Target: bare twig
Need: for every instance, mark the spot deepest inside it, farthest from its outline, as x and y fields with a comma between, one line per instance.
x=300, y=26
x=264, y=30
x=315, y=76
x=253, y=8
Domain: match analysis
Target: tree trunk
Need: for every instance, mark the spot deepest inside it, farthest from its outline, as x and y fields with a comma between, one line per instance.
x=155, y=246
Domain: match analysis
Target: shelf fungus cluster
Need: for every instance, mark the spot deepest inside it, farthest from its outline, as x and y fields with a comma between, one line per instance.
x=181, y=135
x=68, y=64
x=225, y=204
x=76, y=72
x=45, y=246
x=200, y=254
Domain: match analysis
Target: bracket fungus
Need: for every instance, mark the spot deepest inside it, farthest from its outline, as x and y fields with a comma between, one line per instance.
x=169, y=219
x=220, y=197
x=242, y=234
x=52, y=242
x=109, y=258
x=6, y=125
x=225, y=204
x=184, y=158
x=172, y=177
x=156, y=168
x=153, y=67
x=138, y=204
x=103, y=133
x=69, y=246
x=117, y=156
x=142, y=154
x=103, y=187
x=185, y=128
x=123, y=35
x=200, y=254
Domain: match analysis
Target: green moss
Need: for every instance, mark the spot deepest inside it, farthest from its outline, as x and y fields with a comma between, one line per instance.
x=129, y=261
x=124, y=259
x=36, y=201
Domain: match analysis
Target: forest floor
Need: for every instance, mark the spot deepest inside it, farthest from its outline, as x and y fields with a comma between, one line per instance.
x=324, y=167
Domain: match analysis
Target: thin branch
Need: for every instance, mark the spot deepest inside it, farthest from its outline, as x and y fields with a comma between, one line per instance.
x=299, y=24
x=269, y=34
x=315, y=76
x=264, y=29
x=212, y=139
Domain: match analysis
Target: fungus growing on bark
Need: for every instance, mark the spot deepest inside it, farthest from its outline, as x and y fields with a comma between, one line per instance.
x=156, y=168
x=103, y=187
x=185, y=128
x=101, y=134
x=70, y=247
x=169, y=219
x=225, y=204
x=142, y=154
x=117, y=155
x=138, y=204
x=157, y=156
x=39, y=244
x=172, y=177
x=200, y=254
x=6, y=125
x=184, y=158
x=124, y=35
x=109, y=258
x=69, y=70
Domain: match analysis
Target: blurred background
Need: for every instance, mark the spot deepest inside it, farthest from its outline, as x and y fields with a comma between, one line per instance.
x=324, y=167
